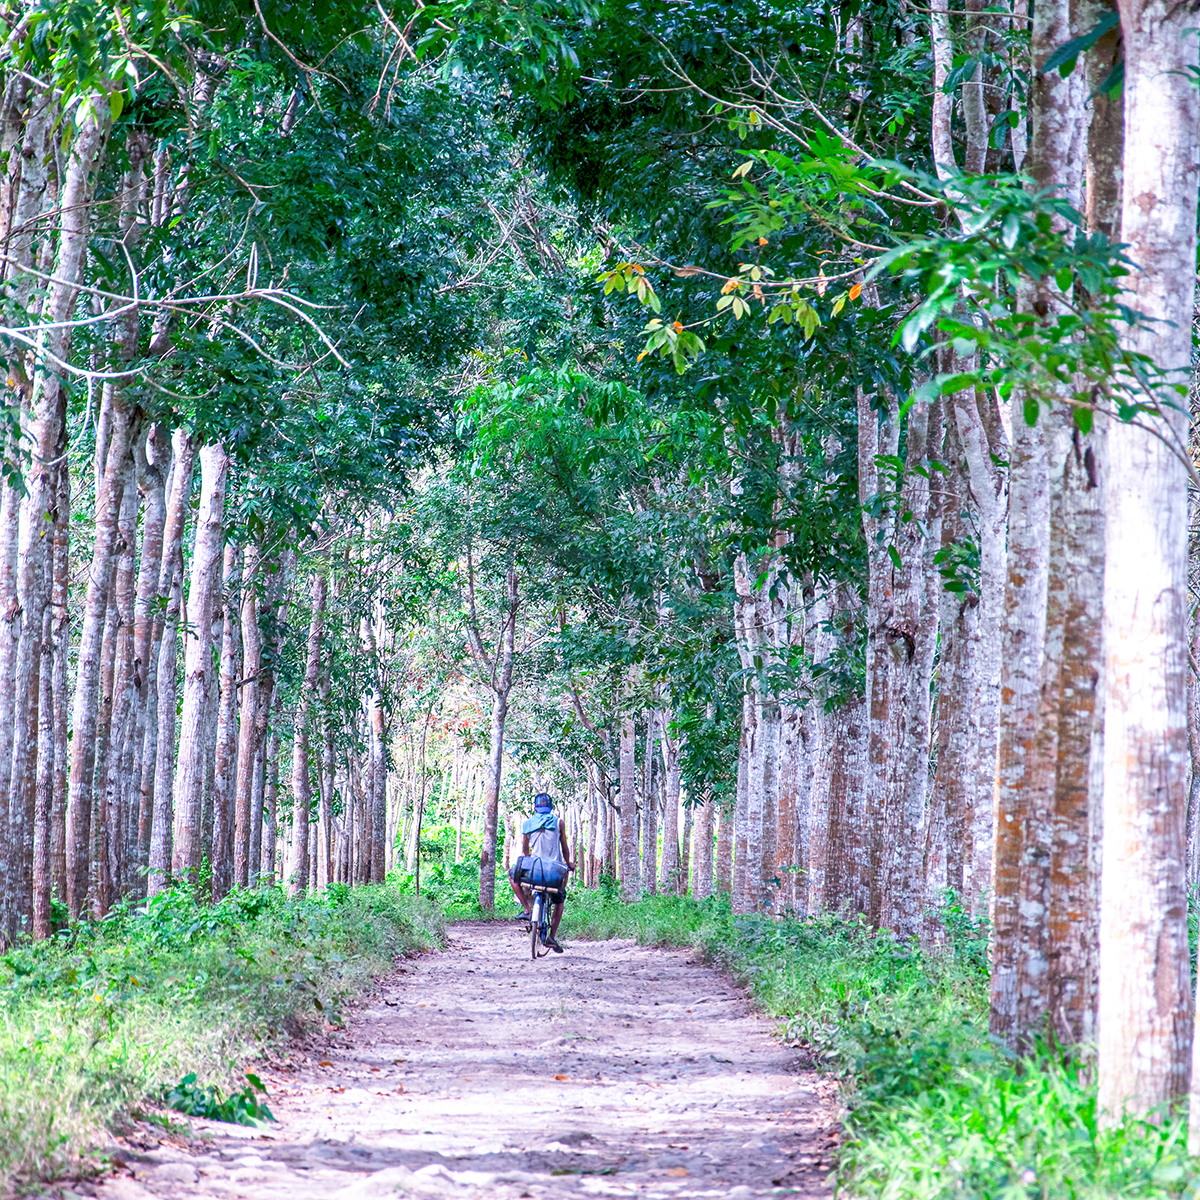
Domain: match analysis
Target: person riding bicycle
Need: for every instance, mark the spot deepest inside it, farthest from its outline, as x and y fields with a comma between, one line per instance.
x=543, y=837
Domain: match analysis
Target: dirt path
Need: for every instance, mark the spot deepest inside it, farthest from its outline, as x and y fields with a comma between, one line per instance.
x=610, y=1070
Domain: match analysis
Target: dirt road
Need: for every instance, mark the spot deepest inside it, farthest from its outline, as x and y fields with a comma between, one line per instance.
x=610, y=1070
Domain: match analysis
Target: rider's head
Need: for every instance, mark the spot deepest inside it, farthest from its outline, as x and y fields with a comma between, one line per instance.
x=542, y=803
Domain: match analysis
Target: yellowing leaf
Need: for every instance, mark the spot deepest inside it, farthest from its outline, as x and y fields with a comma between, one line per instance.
x=762, y=241
x=821, y=284
x=856, y=291
x=731, y=285
x=677, y=326
x=743, y=170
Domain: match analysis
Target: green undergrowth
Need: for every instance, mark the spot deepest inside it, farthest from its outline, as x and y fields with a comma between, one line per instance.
x=113, y=1013
x=934, y=1108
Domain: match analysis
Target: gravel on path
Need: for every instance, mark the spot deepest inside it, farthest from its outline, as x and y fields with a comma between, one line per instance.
x=611, y=1070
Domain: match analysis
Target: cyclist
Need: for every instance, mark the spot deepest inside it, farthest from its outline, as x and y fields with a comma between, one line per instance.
x=543, y=836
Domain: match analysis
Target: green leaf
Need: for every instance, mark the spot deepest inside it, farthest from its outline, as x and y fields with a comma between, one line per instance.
x=1010, y=230
x=1030, y=409
x=894, y=555
x=1083, y=419
x=1063, y=58
x=1063, y=278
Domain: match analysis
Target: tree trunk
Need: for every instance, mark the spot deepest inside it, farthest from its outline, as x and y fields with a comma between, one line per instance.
x=650, y=808
x=1145, y=1026
x=153, y=462
x=672, y=868
x=491, y=799
x=199, y=688
x=627, y=849
x=702, y=838
x=112, y=765
x=325, y=867
x=249, y=716
x=298, y=867
x=378, y=795
x=225, y=760
x=271, y=799
x=86, y=712
x=62, y=644
x=1034, y=615
x=878, y=435
x=164, y=649
x=952, y=794
x=40, y=916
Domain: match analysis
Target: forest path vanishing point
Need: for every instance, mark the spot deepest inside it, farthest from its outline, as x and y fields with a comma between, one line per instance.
x=611, y=1070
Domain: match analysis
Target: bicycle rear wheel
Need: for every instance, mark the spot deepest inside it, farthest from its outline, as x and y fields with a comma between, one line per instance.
x=535, y=924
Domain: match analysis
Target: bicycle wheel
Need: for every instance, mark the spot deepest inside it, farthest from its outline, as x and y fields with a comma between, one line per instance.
x=535, y=924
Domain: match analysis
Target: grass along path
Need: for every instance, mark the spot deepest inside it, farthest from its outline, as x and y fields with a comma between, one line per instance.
x=95, y=1022
x=611, y=1070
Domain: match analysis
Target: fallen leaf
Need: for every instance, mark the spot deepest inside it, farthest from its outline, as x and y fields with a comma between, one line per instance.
x=324, y=1063
x=337, y=1089
x=400, y=1088
x=562, y=1077
x=680, y=1171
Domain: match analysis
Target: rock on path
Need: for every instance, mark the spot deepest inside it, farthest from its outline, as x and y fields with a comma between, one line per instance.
x=610, y=1070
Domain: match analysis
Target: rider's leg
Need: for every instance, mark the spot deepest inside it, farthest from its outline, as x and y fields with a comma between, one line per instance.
x=555, y=917
x=524, y=897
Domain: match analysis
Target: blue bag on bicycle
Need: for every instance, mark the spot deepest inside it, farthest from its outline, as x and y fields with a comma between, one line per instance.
x=544, y=872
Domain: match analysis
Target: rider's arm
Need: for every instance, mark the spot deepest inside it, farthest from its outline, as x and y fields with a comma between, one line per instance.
x=525, y=844
x=562, y=838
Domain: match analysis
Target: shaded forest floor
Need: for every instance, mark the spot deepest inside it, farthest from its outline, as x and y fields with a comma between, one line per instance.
x=611, y=1070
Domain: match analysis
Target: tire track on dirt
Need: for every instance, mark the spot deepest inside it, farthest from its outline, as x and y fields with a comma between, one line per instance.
x=611, y=1070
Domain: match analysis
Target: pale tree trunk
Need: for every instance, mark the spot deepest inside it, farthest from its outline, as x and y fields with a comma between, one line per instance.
x=10, y=636
x=40, y=916
x=650, y=807
x=164, y=649
x=1145, y=1026
x=878, y=434
x=847, y=887
x=723, y=866
x=378, y=795
x=62, y=644
x=270, y=835
x=952, y=793
x=1077, y=574
x=673, y=869
x=298, y=867
x=627, y=849
x=225, y=759
x=325, y=865
x=794, y=862
x=248, y=715
x=702, y=839
x=278, y=591
x=29, y=161
x=199, y=688
x=153, y=463
x=908, y=631
x=111, y=766
x=977, y=420
x=502, y=676
x=99, y=889
x=1034, y=617
x=91, y=645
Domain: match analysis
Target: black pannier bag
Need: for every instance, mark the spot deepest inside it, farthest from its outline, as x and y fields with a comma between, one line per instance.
x=543, y=872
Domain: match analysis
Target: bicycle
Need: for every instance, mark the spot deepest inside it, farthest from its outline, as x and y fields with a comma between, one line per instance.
x=539, y=923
